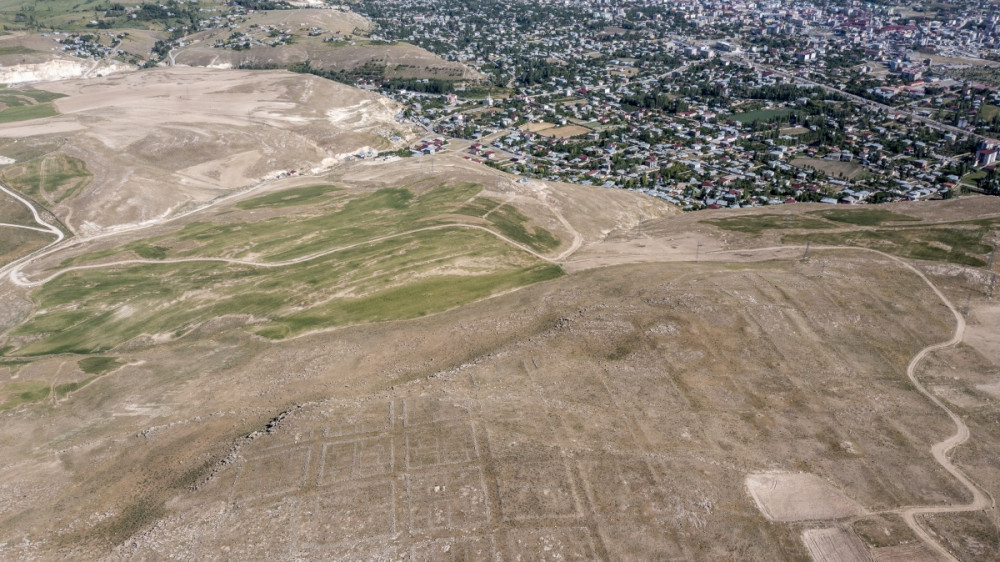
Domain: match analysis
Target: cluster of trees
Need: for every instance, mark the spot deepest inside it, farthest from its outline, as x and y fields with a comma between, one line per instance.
x=533, y=70
x=650, y=100
x=263, y=4
x=990, y=184
x=423, y=86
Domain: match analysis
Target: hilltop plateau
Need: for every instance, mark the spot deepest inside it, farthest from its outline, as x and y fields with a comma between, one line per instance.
x=240, y=319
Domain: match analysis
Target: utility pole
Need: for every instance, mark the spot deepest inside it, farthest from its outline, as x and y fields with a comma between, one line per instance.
x=806, y=256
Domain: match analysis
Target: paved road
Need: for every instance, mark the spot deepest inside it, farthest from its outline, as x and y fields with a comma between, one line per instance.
x=858, y=99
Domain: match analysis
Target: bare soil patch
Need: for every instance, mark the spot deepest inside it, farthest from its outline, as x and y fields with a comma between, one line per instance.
x=835, y=545
x=905, y=553
x=794, y=131
x=552, y=411
x=537, y=126
x=799, y=497
x=959, y=61
x=564, y=132
x=162, y=141
x=833, y=168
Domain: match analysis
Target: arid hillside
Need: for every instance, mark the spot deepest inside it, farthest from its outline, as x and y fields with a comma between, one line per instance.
x=203, y=355
x=135, y=147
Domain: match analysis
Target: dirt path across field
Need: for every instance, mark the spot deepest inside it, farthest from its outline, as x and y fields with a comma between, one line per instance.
x=26, y=227
x=13, y=268
x=980, y=499
x=18, y=278
x=45, y=227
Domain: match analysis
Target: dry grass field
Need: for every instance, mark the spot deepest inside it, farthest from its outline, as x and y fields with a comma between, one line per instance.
x=312, y=29
x=398, y=360
x=537, y=126
x=832, y=168
x=576, y=414
x=564, y=132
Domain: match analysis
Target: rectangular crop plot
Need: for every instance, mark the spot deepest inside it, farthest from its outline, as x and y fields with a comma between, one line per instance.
x=418, y=411
x=440, y=444
x=905, y=553
x=448, y=499
x=835, y=545
x=455, y=549
x=536, y=489
x=622, y=487
x=277, y=473
x=339, y=515
x=351, y=460
x=558, y=543
x=352, y=420
x=632, y=539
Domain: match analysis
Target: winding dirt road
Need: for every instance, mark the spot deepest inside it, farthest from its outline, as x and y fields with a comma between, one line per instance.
x=981, y=500
x=45, y=227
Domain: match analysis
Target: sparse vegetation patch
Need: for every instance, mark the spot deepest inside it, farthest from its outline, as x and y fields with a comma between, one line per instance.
x=863, y=216
x=98, y=365
x=755, y=224
x=52, y=178
x=961, y=244
x=17, y=393
x=411, y=275
x=290, y=197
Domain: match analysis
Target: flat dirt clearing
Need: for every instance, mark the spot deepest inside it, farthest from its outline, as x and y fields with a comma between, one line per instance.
x=905, y=553
x=564, y=132
x=536, y=127
x=832, y=168
x=939, y=59
x=835, y=545
x=799, y=497
x=794, y=131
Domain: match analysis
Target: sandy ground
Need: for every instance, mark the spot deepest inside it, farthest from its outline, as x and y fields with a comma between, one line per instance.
x=905, y=553
x=835, y=545
x=589, y=417
x=536, y=127
x=667, y=410
x=162, y=141
x=564, y=132
x=799, y=497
